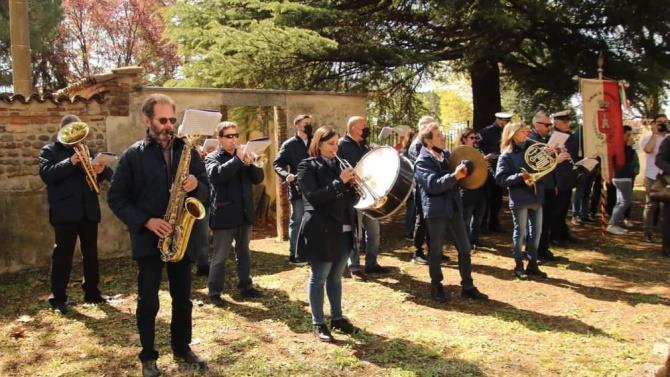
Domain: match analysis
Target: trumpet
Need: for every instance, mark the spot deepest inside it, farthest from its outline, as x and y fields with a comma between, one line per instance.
x=258, y=160
x=359, y=184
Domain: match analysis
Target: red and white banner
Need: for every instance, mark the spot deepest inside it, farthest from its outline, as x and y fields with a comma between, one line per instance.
x=603, y=123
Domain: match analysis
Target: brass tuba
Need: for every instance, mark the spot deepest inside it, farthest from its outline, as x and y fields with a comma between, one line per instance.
x=181, y=211
x=73, y=134
x=541, y=159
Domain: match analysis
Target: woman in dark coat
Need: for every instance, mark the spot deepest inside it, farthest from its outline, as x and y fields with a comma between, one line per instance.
x=474, y=201
x=326, y=233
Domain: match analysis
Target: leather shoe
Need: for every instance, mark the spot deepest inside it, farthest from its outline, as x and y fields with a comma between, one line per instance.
x=191, y=359
x=474, y=293
x=60, y=308
x=95, y=299
x=150, y=369
x=533, y=270
x=344, y=326
x=251, y=293
x=438, y=293
x=217, y=301
x=376, y=269
x=322, y=333
x=359, y=275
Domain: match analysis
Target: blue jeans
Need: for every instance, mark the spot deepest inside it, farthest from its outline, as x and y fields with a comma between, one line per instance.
x=624, y=194
x=438, y=228
x=330, y=275
x=297, y=210
x=472, y=216
x=410, y=216
x=527, y=226
x=223, y=240
x=371, y=227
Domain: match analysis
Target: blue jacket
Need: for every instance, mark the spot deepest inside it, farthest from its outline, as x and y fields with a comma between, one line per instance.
x=508, y=174
x=438, y=191
x=549, y=182
x=70, y=198
x=140, y=189
x=232, y=191
x=291, y=153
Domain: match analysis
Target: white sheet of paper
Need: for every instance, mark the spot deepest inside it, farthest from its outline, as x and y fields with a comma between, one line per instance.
x=558, y=139
x=256, y=146
x=105, y=158
x=200, y=122
x=210, y=145
x=588, y=163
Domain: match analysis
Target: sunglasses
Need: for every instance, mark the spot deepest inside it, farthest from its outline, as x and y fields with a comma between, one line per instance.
x=471, y=137
x=229, y=136
x=165, y=120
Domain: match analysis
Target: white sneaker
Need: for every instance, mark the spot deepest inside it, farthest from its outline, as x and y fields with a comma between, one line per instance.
x=627, y=223
x=615, y=229
x=576, y=221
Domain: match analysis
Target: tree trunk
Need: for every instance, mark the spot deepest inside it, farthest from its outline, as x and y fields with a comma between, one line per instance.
x=485, y=78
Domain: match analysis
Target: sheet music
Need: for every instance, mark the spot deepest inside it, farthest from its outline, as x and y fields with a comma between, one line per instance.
x=200, y=122
x=588, y=163
x=105, y=158
x=256, y=146
x=558, y=139
x=210, y=145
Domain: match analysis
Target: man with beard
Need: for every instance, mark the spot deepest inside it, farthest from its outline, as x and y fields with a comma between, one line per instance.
x=352, y=147
x=139, y=196
x=291, y=153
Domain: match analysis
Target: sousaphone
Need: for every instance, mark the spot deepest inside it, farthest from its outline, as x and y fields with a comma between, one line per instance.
x=477, y=168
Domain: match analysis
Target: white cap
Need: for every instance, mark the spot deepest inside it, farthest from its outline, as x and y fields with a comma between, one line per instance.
x=503, y=115
x=562, y=114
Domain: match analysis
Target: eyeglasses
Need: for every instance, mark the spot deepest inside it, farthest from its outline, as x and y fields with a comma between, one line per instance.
x=471, y=137
x=546, y=124
x=165, y=120
x=229, y=136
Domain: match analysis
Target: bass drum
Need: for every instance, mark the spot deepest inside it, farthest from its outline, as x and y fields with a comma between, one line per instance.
x=389, y=181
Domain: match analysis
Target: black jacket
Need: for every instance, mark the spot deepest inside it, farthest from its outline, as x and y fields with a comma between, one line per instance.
x=565, y=174
x=232, y=191
x=351, y=151
x=490, y=142
x=140, y=190
x=663, y=157
x=328, y=205
x=70, y=198
x=630, y=168
x=291, y=153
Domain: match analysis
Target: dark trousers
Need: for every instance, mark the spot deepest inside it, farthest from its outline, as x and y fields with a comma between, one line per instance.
x=666, y=228
x=438, y=227
x=559, y=230
x=494, y=194
x=61, y=259
x=420, y=230
x=148, y=283
x=548, y=217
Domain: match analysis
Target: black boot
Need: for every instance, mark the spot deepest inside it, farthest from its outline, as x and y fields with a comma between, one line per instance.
x=534, y=270
x=438, y=293
x=150, y=369
x=519, y=272
x=322, y=333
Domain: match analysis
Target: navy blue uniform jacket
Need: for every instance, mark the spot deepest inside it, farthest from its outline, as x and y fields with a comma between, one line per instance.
x=140, y=190
x=232, y=190
x=328, y=205
x=439, y=194
x=70, y=198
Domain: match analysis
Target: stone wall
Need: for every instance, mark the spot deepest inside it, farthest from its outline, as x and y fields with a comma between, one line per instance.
x=110, y=106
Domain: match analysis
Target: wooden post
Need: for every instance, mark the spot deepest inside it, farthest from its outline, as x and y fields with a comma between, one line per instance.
x=282, y=204
x=20, y=40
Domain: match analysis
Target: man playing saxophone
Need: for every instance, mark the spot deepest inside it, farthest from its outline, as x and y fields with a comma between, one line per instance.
x=139, y=196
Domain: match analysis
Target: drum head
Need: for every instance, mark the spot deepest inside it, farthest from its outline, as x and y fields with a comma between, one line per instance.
x=379, y=170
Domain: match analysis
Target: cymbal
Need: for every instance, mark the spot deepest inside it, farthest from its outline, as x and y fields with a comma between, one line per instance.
x=477, y=177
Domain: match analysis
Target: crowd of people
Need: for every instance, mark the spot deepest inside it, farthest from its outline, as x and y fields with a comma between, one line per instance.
x=325, y=230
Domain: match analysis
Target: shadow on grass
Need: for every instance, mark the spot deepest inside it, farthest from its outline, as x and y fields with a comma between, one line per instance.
x=596, y=293
x=419, y=293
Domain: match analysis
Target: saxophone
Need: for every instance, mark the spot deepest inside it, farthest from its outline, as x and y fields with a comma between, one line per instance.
x=181, y=212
